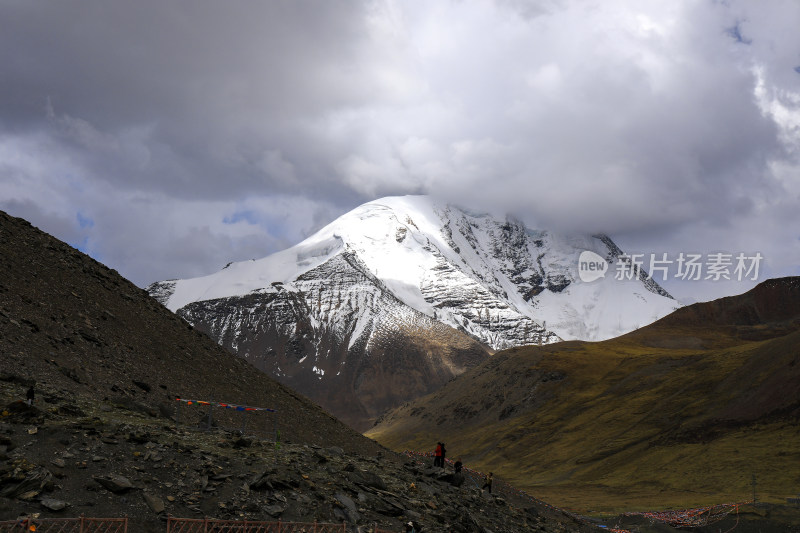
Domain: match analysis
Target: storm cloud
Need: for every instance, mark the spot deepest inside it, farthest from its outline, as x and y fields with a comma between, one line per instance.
x=167, y=139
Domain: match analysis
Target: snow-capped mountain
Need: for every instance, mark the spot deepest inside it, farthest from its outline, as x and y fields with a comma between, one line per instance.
x=395, y=297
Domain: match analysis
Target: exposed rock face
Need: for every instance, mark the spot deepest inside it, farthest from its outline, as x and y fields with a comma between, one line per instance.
x=392, y=300
x=615, y=253
x=333, y=346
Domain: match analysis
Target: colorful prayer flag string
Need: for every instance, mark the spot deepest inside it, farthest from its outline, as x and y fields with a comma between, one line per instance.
x=225, y=405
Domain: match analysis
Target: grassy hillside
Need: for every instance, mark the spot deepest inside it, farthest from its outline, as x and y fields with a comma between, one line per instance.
x=680, y=413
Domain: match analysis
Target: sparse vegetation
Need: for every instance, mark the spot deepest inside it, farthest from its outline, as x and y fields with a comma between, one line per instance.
x=677, y=414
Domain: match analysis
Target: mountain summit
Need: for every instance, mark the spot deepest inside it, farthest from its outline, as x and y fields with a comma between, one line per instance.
x=396, y=297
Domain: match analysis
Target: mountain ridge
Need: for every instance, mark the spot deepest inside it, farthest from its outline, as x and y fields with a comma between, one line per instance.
x=411, y=243
x=491, y=283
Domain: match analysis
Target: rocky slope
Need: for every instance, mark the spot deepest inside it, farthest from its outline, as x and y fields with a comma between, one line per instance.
x=70, y=323
x=398, y=296
x=103, y=438
x=66, y=458
x=102, y=460
x=679, y=413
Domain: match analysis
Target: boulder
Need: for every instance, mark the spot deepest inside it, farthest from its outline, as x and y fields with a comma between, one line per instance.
x=368, y=479
x=52, y=504
x=348, y=508
x=320, y=457
x=35, y=482
x=241, y=442
x=261, y=481
x=345, y=501
x=274, y=510
x=115, y=483
x=155, y=503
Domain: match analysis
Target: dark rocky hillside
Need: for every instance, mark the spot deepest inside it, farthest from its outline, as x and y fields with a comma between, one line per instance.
x=73, y=325
x=101, y=439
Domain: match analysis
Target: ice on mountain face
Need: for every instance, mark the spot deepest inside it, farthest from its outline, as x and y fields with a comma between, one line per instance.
x=322, y=250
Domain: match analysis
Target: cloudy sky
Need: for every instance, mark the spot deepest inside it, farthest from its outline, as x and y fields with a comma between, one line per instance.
x=167, y=138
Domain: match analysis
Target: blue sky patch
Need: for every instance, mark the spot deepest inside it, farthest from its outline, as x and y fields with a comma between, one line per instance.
x=736, y=33
x=84, y=222
x=251, y=217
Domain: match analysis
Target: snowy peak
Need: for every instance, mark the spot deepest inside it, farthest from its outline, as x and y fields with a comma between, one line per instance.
x=499, y=281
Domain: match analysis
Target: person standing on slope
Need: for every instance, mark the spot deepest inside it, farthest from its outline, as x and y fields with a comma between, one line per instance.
x=29, y=396
x=437, y=455
x=444, y=453
x=487, y=482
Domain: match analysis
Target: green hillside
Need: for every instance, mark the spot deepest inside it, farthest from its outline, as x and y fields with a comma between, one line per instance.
x=680, y=413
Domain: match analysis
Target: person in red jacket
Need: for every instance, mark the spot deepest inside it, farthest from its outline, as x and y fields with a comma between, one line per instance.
x=437, y=456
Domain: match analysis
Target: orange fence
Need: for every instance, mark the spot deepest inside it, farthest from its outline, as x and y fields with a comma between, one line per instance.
x=174, y=525
x=66, y=525
x=212, y=525
x=701, y=516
